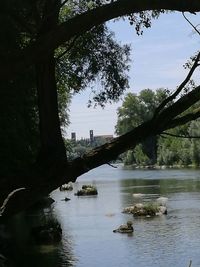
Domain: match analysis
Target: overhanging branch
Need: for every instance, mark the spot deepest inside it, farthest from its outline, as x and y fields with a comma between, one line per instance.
x=184, y=119
x=180, y=88
x=82, y=23
x=170, y=113
x=191, y=24
x=180, y=136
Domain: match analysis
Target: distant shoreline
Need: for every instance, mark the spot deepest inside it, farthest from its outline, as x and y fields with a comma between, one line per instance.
x=159, y=167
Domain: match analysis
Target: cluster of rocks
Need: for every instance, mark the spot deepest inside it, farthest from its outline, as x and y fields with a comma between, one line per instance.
x=87, y=190
x=147, y=209
x=66, y=187
x=151, y=209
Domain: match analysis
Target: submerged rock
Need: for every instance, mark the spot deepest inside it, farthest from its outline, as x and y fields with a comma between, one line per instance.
x=66, y=199
x=125, y=228
x=87, y=190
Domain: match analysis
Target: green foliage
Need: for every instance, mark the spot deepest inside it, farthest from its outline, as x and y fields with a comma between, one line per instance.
x=166, y=150
x=95, y=56
x=194, y=130
x=143, y=19
x=167, y=157
x=181, y=151
x=135, y=110
x=151, y=208
x=141, y=158
x=129, y=158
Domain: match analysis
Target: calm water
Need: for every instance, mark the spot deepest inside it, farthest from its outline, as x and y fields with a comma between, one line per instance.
x=87, y=222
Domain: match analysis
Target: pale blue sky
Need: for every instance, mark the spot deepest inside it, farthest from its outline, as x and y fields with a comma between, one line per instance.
x=157, y=61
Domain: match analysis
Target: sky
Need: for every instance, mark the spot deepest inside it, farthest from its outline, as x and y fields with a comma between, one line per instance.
x=157, y=59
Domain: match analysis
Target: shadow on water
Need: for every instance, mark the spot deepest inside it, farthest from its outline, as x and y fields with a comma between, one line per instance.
x=19, y=246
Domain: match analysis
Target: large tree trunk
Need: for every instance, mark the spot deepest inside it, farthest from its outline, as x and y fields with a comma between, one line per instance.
x=52, y=145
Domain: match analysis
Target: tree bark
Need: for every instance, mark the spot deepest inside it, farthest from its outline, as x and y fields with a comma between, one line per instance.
x=52, y=145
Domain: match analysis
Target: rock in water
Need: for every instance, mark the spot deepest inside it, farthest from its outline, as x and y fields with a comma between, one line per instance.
x=87, y=190
x=125, y=228
x=68, y=187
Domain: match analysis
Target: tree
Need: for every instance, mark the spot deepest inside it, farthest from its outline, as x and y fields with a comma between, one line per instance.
x=37, y=55
x=135, y=110
x=100, y=58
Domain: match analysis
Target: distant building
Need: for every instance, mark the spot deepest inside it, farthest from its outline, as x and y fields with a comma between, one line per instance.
x=93, y=140
x=73, y=136
x=91, y=136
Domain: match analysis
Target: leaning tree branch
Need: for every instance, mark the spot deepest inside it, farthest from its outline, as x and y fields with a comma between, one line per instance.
x=184, y=119
x=82, y=23
x=180, y=87
x=111, y=165
x=191, y=24
x=63, y=3
x=181, y=105
x=180, y=136
x=67, y=49
x=165, y=120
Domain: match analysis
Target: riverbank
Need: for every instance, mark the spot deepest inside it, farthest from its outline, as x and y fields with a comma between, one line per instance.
x=160, y=167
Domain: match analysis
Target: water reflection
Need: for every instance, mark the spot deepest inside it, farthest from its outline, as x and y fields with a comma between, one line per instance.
x=21, y=248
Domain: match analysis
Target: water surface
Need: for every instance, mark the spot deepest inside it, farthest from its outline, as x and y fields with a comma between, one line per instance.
x=88, y=222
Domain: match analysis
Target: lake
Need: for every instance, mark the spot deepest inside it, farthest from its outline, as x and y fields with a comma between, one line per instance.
x=88, y=222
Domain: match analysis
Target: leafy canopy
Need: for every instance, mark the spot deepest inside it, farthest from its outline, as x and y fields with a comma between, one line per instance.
x=137, y=109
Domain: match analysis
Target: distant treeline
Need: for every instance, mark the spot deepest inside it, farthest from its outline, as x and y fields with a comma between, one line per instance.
x=179, y=146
